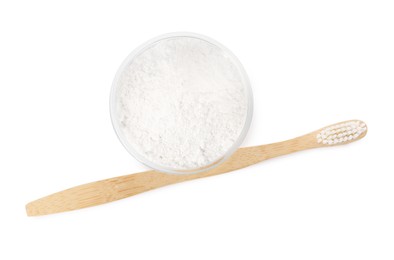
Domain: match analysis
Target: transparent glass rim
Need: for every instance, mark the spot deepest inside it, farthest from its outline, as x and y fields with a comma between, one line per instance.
x=138, y=156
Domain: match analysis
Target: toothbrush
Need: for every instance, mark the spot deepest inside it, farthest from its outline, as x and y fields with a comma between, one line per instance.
x=104, y=191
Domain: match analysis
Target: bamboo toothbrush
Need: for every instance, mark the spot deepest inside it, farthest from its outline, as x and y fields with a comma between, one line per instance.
x=100, y=192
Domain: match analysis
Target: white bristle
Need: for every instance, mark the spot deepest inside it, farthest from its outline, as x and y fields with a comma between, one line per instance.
x=341, y=133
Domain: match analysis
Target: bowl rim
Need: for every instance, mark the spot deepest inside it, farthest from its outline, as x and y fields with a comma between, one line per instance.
x=141, y=158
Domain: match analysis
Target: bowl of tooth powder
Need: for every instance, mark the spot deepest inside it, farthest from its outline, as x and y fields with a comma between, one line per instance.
x=181, y=103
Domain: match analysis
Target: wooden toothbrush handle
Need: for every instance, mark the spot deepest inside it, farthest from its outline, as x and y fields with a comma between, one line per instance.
x=104, y=191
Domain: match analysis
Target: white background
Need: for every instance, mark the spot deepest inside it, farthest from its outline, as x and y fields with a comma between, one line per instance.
x=311, y=63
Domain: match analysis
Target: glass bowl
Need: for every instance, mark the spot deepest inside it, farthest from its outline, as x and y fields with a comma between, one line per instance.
x=116, y=124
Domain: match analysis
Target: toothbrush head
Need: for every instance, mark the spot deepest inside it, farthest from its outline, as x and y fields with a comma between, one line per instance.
x=342, y=133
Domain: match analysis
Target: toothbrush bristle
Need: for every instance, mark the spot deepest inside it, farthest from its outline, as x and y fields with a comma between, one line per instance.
x=341, y=133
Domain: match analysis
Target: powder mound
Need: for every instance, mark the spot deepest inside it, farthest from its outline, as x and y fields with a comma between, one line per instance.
x=181, y=103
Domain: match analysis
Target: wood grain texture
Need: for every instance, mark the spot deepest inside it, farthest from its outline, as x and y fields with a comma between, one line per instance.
x=104, y=191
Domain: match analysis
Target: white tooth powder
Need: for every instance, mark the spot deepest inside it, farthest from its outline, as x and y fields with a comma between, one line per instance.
x=181, y=103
